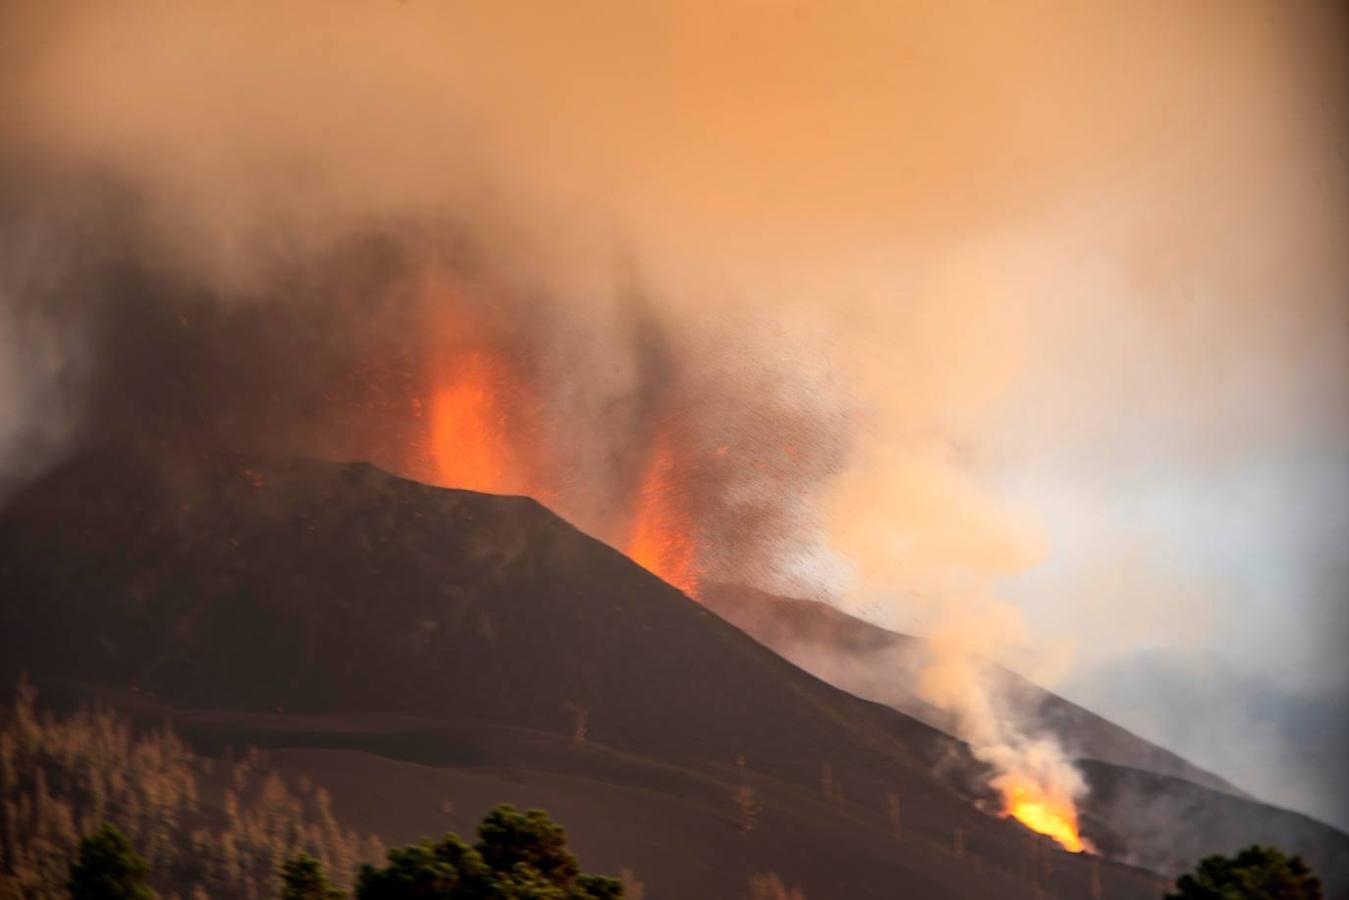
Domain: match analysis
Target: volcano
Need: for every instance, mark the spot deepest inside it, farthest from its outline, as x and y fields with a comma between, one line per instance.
x=400, y=643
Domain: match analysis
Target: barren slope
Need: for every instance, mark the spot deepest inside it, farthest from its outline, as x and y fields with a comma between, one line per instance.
x=396, y=638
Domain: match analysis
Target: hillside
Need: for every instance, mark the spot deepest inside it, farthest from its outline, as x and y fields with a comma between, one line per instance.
x=304, y=586
x=403, y=643
x=878, y=664
x=1146, y=804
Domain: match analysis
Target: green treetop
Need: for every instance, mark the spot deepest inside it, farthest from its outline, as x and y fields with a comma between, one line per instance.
x=302, y=878
x=519, y=856
x=107, y=867
x=1256, y=873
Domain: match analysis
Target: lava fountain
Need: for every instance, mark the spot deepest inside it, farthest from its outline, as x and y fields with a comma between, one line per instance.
x=661, y=538
x=474, y=427
x=484, y=432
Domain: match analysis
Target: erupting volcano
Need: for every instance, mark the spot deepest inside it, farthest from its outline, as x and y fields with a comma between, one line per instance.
x=490, y=426
x=735, y=428
x=483, y=435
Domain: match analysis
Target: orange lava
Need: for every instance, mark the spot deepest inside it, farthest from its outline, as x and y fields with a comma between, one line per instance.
x=661, y=536
x=1043, y=813
x=482, y=432
x=472, y=444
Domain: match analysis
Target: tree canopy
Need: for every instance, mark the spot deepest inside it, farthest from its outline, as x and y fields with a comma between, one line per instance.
x=1256, y=873
x=302, y=878
x=519, y=856
x=107, y=867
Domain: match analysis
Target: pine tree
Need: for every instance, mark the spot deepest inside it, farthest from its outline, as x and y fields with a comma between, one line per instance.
x=519, y=854
x=302, y=878
x=1255, y=873
x=108, y=868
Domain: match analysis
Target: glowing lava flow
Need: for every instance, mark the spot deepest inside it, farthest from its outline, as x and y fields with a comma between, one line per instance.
x=471, y=443
x=483, y=434
x=1041, y=812
x=660, y=538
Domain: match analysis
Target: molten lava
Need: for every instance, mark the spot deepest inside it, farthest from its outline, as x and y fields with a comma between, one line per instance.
x=472, y=417
x=661, y=536
x=483, y=417
x=1041, y=811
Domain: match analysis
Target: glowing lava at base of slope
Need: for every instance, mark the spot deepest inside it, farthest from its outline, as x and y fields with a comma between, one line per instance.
x=1044, y=813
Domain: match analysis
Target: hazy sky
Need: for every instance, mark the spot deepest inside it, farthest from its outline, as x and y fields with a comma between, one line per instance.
x=1075, y=274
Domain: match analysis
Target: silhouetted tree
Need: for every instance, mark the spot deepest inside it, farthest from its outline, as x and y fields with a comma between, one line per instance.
x=598, y=887
x=107, y=867
x=519, y=856
x=1256, y=873
x=448, y=868
x=302, y=878
x=509, y=839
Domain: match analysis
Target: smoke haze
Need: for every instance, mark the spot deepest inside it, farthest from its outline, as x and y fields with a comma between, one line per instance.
x=1029, y=318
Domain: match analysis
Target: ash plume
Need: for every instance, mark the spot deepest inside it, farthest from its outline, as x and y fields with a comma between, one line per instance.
x=335, y=353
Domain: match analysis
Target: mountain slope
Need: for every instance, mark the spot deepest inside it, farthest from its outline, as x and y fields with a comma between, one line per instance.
x=1146, y=804
x=309, y=586
x=366, y=624
x=220, y=589
x=880, y=665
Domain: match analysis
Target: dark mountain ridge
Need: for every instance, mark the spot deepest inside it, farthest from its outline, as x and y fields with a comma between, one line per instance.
x=303, y=586
x=366, y=624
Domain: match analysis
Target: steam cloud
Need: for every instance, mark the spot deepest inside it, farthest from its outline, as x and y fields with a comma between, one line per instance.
x=945, y=286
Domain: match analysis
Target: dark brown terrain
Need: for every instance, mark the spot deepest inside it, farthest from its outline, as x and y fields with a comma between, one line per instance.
x=878, y=664
x=406, y=645
x=1147, y=804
